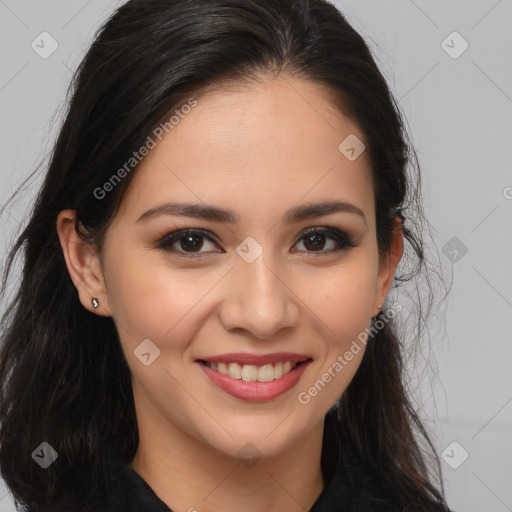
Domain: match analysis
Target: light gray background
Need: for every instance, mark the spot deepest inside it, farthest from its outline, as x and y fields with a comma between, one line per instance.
x=460, y=115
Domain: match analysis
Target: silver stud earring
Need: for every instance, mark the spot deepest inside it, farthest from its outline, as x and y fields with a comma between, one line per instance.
x=95, y=303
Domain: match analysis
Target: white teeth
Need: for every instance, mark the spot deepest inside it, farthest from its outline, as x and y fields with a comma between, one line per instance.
x=235, y=371
x=252, y=373
x=249, y=372
x=266, y=373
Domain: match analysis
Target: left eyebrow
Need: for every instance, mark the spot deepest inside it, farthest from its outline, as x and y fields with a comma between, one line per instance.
x=213, y=213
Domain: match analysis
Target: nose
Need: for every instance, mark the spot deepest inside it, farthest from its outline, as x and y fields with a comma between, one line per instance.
x=259, y=300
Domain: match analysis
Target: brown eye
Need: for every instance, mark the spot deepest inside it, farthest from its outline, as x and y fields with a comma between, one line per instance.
x=315, y=240
x=191, y=242
x=186, y=242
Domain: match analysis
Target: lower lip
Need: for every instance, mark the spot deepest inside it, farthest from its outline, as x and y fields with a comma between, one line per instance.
x=255, y=391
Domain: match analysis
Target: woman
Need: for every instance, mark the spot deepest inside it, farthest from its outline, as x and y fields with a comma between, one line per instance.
x=201, y=321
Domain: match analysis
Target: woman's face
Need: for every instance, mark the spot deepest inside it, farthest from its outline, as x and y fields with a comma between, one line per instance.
x=252, y=162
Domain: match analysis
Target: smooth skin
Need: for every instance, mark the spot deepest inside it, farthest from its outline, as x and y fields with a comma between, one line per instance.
x=259, y=151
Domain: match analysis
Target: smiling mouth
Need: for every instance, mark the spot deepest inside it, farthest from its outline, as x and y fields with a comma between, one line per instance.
x=254, y=373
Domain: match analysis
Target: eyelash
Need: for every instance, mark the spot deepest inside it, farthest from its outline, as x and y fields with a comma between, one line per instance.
x=174, y=236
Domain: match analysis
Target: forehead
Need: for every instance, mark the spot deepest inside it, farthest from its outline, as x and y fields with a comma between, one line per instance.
x=271, y=140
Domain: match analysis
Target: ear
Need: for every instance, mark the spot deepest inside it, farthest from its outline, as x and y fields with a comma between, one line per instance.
x=387, y=266
x=83, y=263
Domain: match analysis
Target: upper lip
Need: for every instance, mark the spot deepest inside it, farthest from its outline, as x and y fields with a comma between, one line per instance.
x=256, y=359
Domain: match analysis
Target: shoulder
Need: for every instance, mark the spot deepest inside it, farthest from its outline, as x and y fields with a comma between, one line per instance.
x=350, y=484
x=126, y=491
x=375, y=496
x=116, y=488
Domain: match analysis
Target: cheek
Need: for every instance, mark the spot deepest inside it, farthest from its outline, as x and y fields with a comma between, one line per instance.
x=149, y=301
x=342, y=303
x=343, y=299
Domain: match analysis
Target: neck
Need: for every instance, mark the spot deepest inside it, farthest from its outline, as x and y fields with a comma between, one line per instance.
x=189, y=475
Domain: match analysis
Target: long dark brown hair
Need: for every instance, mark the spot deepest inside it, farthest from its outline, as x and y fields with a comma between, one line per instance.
x=64, y=378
